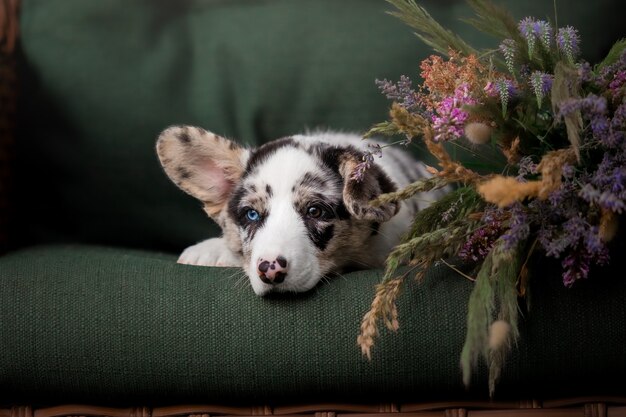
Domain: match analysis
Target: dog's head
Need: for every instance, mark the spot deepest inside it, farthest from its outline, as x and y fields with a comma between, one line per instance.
x=290, y=208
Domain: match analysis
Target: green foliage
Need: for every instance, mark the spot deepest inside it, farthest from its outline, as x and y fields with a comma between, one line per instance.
x=419, y=186
x=432, y=235
x=494, y=297
x=613, y=55
x=494, y=20
x=459, y=203
x=385, y=128
x=428, y=29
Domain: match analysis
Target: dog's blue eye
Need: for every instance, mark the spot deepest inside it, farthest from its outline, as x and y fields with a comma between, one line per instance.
x=253, y=215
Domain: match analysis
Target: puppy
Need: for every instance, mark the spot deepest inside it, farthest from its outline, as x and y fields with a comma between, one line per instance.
x=292, y=210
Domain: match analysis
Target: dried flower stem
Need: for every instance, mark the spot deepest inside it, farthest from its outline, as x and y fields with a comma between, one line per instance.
x=410, y=190
x=551, y=168
x=451, y=170
x=565, y=87
x=504, y=191
x=383, y=307
x=609, y=224
x=457, y=270
x=428, y=29
x=411, y=124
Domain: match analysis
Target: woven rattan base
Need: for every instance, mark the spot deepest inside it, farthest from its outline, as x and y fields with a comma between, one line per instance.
x=583, y=407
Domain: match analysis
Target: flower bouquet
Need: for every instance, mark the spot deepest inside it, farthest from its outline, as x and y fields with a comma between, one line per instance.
x=557, y=188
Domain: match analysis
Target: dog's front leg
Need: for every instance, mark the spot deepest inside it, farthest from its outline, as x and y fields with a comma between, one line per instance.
x=210, y=252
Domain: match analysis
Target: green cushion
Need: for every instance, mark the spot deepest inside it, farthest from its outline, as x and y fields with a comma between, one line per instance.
x=101, y=79
x=103, y=325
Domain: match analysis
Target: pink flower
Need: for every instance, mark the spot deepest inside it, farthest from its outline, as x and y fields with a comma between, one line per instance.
x=449, y=118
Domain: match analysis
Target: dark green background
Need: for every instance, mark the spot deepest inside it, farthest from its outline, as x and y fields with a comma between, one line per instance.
x=102, y=79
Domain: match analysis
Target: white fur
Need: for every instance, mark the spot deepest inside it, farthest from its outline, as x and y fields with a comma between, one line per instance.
x=210, y=252
x=284, y=233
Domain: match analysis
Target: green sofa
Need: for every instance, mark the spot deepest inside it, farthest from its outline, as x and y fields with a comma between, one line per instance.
x=94, y=309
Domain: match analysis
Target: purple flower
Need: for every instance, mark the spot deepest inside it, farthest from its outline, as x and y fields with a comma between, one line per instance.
x=593, y=242
x=506, y=88
x=481, y=242
x=585, y=72
x=543, y=31
x=576, y=266
x=532, y=30
x=568, y=42
x=491, y=89
x=541, y=84
x=449, y=120
x=618, y=127
x=616, y=86
x=555, y=241
x=507, y=47
x=594, y=109
x=600, y=126
x=447, y=215
x=589, y=193
x=618, y=122
x=568, y=171
x=578, y=263
x=401, y=92
x=527, y=28
x=618, y=81
x=526, y=167
x=519, y=227
x=366, y=162
x=611, y=201
x=611, y=75
x=607, y=185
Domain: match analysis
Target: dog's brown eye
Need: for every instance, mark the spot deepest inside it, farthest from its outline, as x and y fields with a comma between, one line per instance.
x=314, y=212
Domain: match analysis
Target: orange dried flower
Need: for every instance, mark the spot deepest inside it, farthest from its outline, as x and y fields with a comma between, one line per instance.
x=442, y=77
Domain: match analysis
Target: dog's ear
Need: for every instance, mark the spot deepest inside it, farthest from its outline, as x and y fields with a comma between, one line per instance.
x=358, y=192
x=202, y=164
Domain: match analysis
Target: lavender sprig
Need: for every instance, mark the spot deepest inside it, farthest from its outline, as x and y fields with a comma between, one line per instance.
x=401, y=92
x=541, y=84
x=568, y=42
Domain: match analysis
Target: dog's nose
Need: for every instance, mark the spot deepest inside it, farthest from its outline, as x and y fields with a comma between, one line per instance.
x=272, y=271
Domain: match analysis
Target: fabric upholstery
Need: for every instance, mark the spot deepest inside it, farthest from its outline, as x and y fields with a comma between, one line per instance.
x=105, y=325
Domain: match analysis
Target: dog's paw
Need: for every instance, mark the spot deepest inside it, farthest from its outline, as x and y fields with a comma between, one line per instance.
x=211, y=252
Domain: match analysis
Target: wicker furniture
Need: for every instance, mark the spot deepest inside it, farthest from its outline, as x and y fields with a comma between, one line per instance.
x=587, y=407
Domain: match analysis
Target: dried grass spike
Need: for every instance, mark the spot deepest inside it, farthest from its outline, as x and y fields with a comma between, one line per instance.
x=383, y=308
x=551, y=168
x=504, y=191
